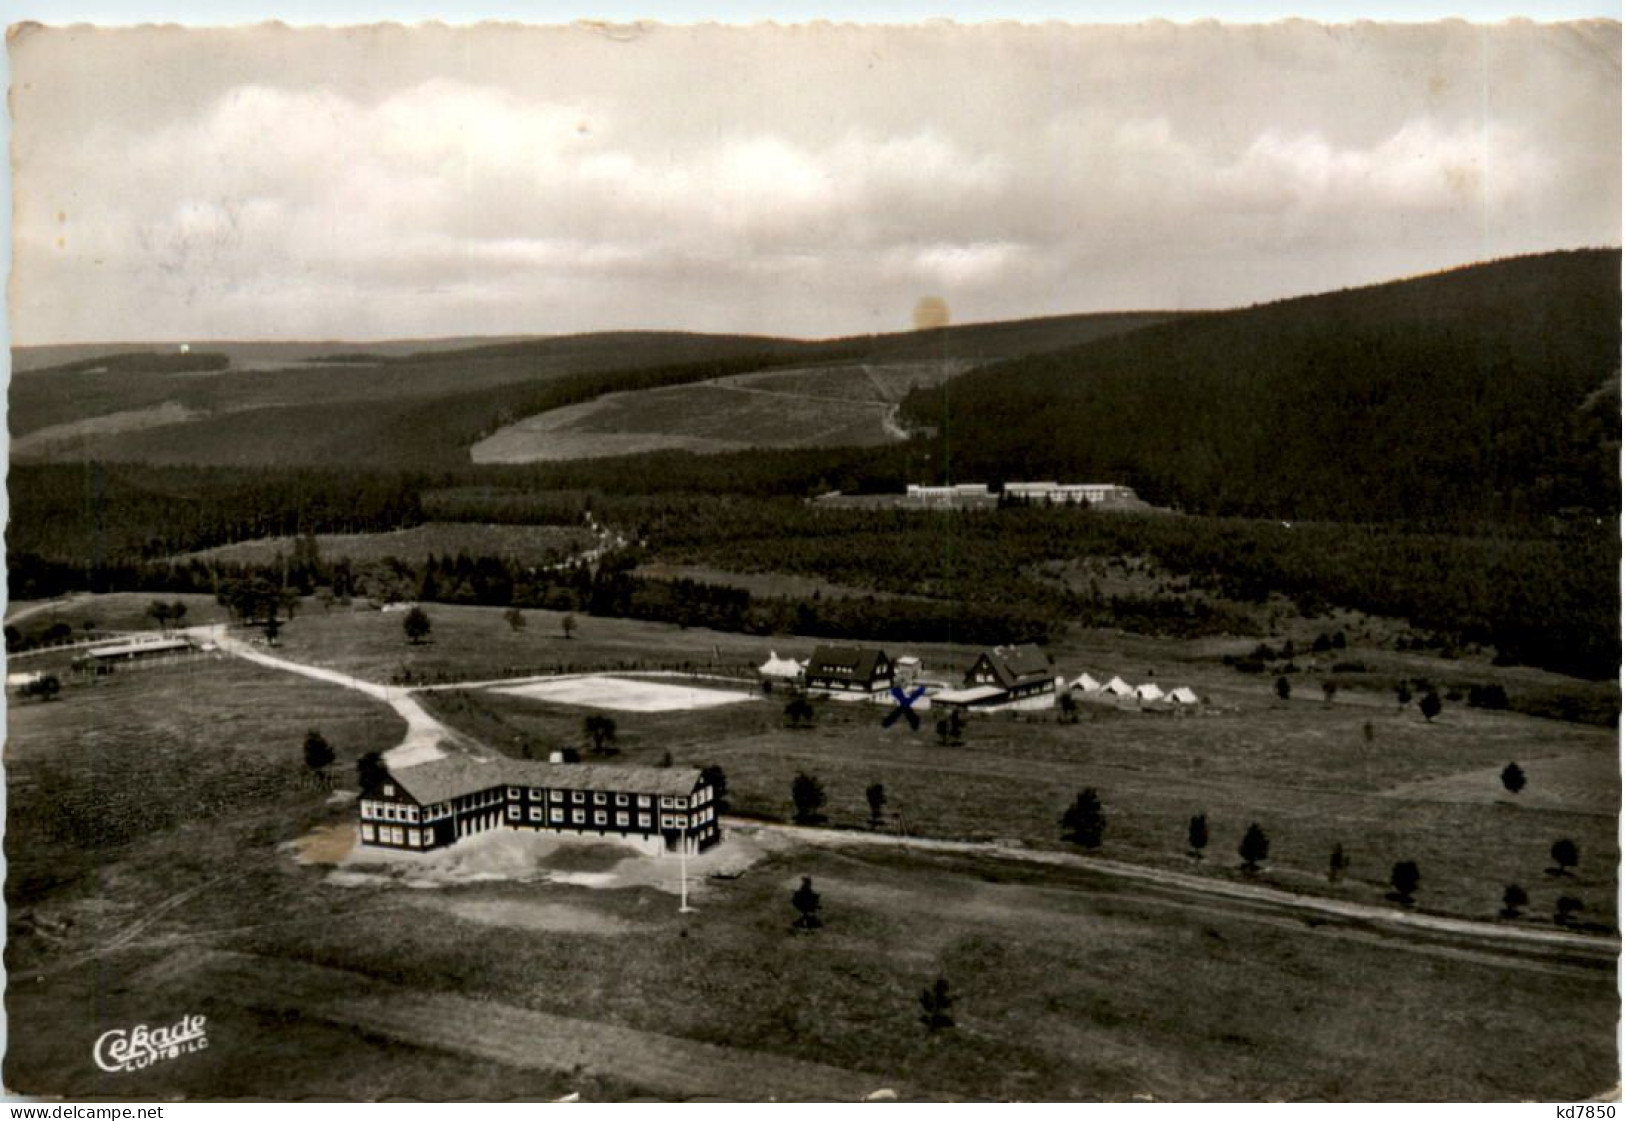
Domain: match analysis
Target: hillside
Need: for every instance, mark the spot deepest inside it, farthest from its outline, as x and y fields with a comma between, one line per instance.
x=370, y=403
x=1485, y=392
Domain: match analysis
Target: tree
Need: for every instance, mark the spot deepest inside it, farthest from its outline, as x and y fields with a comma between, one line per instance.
x=45, y=688
x=807, y=904
x=1338, y=864
x=1369, y=731
x=1403, y=692
x=1329, y=688
x=1431, y=706
x=1283, y=688
x=1084, y=822
x=876, y=794
x=1405, y=877
x=1512, y=777
x=798, y=713
x=318, y=756
x=1255, y=847
x=601, y=730
x=370, y=771
x=807, y=793
x=568, y=625
x=1567, y=907
x=935, y=1003
x=177, y=612
x=1197, y=835
x=1068, y=704
x=416, y=625
x=714, y=777
x=515, y=618
x=1565, y=855
x=951, y=729
x=1513, y=900
x=158, y=611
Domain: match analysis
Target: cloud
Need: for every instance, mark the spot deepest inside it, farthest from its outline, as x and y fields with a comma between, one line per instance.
x=430, y=203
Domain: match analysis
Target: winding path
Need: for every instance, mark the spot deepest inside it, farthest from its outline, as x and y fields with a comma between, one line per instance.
x=426, y=738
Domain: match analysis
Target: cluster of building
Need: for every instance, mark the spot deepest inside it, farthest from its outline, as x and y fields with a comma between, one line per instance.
x=1002, y=677
x=435, y=804
x=981, y=495
x=1060, y=494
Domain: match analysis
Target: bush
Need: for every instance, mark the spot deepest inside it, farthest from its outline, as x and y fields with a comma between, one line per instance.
x=1565, y=855
x=1512, y=777
x=1255, y=847
x=1406, y=878
x=1084, y=822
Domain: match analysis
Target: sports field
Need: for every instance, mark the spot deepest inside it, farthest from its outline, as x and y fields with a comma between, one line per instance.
x=627, y=694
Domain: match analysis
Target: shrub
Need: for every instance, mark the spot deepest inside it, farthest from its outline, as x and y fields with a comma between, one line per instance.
x=1255, y=847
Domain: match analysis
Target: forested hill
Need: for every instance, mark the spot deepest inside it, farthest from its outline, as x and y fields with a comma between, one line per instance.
x=1484, y=393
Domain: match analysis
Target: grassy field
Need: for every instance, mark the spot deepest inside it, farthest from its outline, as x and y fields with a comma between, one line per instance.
x=149, y=816
x=1065, y=988
x=475, y=643
x=887, y=382
x=187, y=747
x=823, y=406
x=525, y=544
x=118, y=611
x=1303, y=771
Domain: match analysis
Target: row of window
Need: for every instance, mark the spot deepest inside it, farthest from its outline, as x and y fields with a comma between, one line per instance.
x=600, y=798
x=400, y=811
x=389, y=811
x=623, y=818
x=395, y=835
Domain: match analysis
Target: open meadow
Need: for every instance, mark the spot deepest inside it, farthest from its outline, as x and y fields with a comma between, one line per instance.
x=154, y=870
x=818, y=406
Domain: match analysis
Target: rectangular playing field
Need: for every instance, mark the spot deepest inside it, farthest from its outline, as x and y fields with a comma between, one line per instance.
x=626, y=694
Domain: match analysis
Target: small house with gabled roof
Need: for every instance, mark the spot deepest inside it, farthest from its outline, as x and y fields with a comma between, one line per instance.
x=848, y=669
x=1020, y=671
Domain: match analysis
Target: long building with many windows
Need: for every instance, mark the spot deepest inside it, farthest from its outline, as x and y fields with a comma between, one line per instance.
x=432, y=805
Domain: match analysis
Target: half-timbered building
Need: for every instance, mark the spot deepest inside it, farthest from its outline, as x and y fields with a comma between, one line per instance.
x=1004, y=675
x=435, y=804
x=840, y=670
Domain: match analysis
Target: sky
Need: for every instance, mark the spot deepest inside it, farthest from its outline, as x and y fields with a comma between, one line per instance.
x=389, y=182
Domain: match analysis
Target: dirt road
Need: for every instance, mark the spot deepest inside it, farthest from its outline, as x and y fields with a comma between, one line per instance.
x=426, y=738
x=1517, y=939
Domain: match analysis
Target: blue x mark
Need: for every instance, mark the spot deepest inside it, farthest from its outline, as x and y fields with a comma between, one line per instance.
x=905, y=707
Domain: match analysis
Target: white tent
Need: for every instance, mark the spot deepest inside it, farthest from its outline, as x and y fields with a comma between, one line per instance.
x=1148, y=692
x=1183, y=695
x=776, y=666
x=1117, y=687
x=1086, y=684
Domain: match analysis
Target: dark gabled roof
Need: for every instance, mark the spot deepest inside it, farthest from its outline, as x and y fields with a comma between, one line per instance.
x=1019, y=665
x=457, y=776
x=862, y=659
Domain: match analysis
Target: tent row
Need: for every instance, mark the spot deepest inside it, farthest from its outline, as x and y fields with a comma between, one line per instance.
x=1122, y=690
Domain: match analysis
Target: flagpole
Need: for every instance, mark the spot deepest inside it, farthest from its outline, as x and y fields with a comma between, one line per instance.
x=682, y=860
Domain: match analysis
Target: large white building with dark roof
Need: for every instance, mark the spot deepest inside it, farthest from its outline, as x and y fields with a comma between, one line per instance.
x=432, y=805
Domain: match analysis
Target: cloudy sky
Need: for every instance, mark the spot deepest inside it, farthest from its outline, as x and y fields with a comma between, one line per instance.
x=273, y=183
